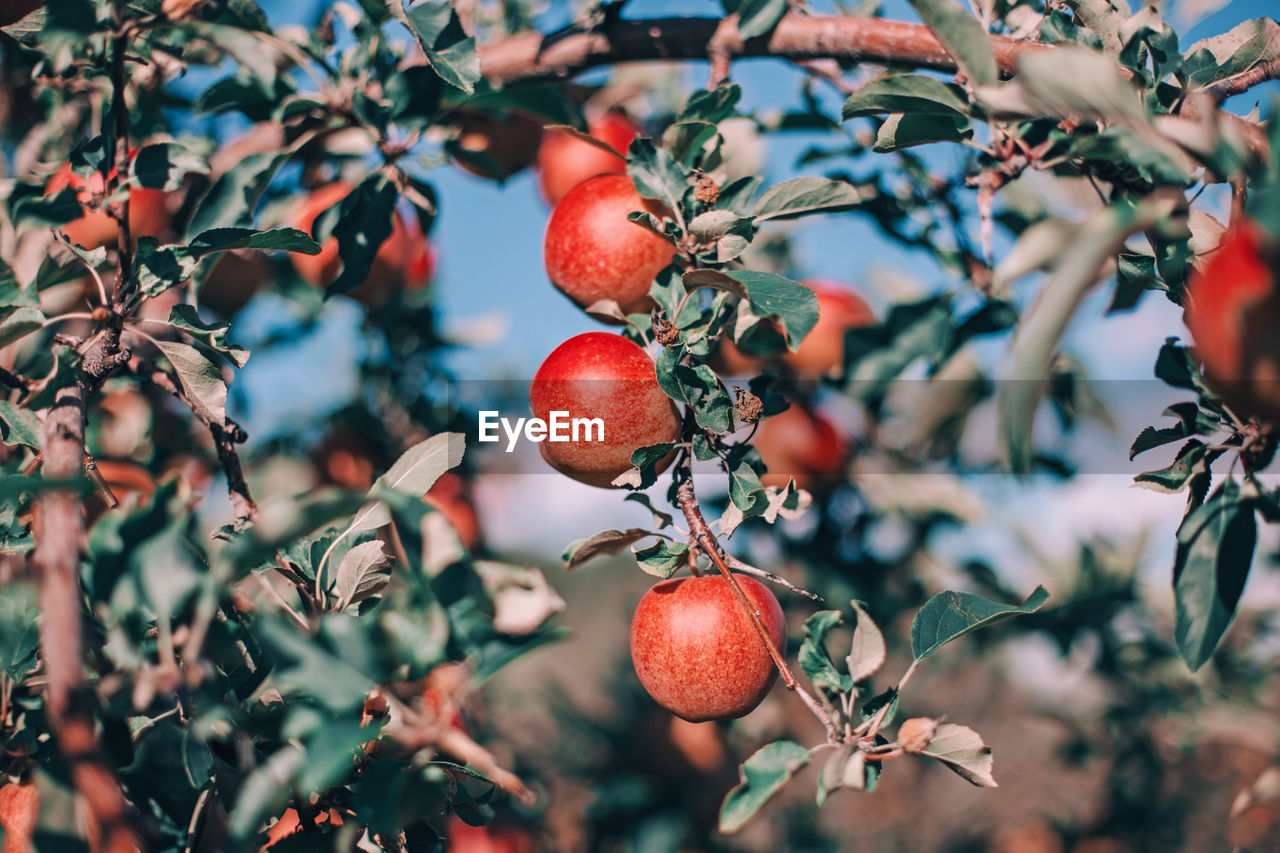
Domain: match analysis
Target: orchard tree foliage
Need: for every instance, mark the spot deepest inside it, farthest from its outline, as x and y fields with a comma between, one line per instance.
x=305, y=661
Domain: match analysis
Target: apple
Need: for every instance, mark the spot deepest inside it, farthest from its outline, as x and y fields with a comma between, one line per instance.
x=696, y=650
x=19, y=812
x=130, y=483
x=565, y=161
x=495, y=147
x=822, y=350
x=801, y=443
x=405, y=259
x=234, y=279
x=1231, y=310
x=593, y=252
x=491, y=838
x=451, y=497
x=148, y=215
x=606, y=376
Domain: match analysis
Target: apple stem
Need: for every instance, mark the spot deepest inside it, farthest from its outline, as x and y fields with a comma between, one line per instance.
x=706, y=541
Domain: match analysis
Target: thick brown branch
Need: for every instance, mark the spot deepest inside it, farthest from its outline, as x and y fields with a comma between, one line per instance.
x=1256, y=76
x=796, y=38
x=226, y=436
x=60, y=540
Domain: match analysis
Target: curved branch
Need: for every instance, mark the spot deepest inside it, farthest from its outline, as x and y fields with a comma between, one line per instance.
x=796, y=38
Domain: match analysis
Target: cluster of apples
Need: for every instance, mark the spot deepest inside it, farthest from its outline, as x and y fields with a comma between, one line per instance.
x=693, y=644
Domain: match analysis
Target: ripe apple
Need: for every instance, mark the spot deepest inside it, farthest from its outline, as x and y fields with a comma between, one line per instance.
x=593, y=252
x=695, y=648
x=1231, y=310
x=565, y=161
x=464, y=838
x=495, y=147
x=822, y=350
x=148, y=215
x=405, y=259
x=451, y=497
x=606, y=376
x=19, y=812
x=234, y=279
x=801, y=443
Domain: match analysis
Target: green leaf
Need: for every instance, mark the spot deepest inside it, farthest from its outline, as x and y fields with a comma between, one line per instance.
x=164, y=165
x=913, y=94
x=813, y=657
x=363, y=573
x=19, y=634
x=1192, y=461
x=663, y=559
x=961, y=749
x=763, y=775
x=361, y=222
x=907, y=131
x=869, y=650
x=950, y=615
x=1041, y=328
x=1192, y=420
x=19, y=324
x=212, y=335
x=231, y=200
x=792, y=304
x=803, y=196
x=656, y=173
x=758, y=17
x=603, y=543
x=845, y=769
x=645, y=459
x=963, y=36
x=712, y=106
x=200, y=378
x=1236, y=52
x=20, y=427
x=413, y=474
x=449, y=50
x=1215, y=549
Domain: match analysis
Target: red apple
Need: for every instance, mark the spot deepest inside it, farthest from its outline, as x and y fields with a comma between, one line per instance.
x=148, y=215
x=565, y=161
x=822, y=350
x=452, y=499
x=606, y=376
x=696, y=651
x=19, y=811
x=464, y=838
x=593, y=252
x=495, y=147
x=1231, y=310
x=801, y=443
x=405, y=259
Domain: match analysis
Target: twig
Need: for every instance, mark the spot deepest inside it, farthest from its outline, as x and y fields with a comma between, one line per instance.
x=701, y=534
x=225, y=435
x=738, y=565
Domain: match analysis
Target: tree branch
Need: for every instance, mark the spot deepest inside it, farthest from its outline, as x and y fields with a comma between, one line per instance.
x=226, y=436
x=60, y=539
x=797, y=38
